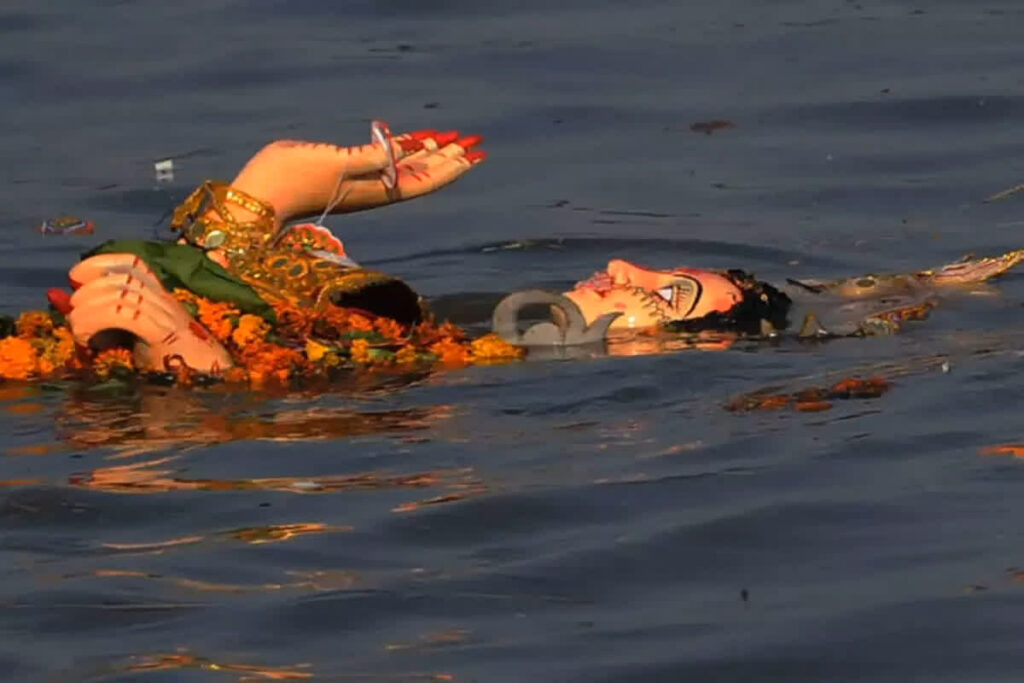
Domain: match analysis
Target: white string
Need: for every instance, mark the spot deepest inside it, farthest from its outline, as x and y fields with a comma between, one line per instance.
x=336, y=198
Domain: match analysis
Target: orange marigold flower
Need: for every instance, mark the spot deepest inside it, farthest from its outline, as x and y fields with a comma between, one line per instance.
x=65, y=347
x=315, y=351
x=65, y=352
x=344, y=320
x=106, y=361
x=407, y=355
x=185, y=296
x=493, y=347
x=49, y=355
x=389, y=328
x=34, y=324
x=451, y=352
x=251, y=329
x=293, y=321
x=427, y=333
x=451, y=331
x=216, y=316
x=360, y=352
x=18, y=358
x=46, y=367
x=265, y=360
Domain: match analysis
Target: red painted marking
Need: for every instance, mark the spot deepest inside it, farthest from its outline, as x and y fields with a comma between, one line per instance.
x=410, y=145
x=171, y=337
x=198, y=330
x=138, y=314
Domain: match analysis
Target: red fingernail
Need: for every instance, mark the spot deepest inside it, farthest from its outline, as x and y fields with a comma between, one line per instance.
x=470, y=141
x=443, y=139
x=422, y=134
x=476, y=156
x=59, y=299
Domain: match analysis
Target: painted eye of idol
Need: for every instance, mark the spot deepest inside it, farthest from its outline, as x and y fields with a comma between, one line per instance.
x=683, y=294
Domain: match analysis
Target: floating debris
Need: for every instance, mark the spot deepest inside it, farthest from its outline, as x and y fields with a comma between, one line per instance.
x=1014, y=449
x=67, y=225
x=164, y=170
x=813, y=399
x=1009, y=192
x=709, y=127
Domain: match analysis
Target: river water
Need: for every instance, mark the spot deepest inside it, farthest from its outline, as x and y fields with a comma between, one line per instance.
x=597, y=519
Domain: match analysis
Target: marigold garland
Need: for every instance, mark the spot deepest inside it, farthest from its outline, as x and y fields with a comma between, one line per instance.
x=303, y=343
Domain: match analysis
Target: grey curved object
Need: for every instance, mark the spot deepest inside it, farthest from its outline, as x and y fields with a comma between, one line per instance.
x=568, y=329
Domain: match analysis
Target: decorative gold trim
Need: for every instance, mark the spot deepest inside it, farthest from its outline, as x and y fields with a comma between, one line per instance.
x=279, y=273
x=205, y=220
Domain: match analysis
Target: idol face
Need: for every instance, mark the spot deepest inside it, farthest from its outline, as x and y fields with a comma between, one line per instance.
x=648, y=298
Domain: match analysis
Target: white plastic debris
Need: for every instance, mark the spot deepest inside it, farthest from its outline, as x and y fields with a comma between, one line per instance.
x=164, y=170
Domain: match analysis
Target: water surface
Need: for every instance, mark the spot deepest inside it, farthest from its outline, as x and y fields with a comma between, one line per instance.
x=601, y=519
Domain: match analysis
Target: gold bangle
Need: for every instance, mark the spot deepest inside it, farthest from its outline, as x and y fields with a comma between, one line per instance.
x=213, y=195
x=194, y=221
x=248, y=202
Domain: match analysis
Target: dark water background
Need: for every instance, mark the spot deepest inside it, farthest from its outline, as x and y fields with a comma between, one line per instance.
x=585, y=521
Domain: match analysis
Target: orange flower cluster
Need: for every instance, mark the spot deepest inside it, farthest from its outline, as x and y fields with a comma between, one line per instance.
x=303, y=344
x=311, y=343
x=18, y=358
x=106, y=362
x=39, y=349
x=251, y=330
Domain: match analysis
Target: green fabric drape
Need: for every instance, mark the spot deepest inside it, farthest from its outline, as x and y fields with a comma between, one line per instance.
x=182, y=265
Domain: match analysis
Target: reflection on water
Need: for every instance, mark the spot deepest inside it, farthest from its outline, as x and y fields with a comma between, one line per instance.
x=152, y=476
x=257, y=535
x=308, y=581
x=147, y=418
x=434, y=639
x=247, y=672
